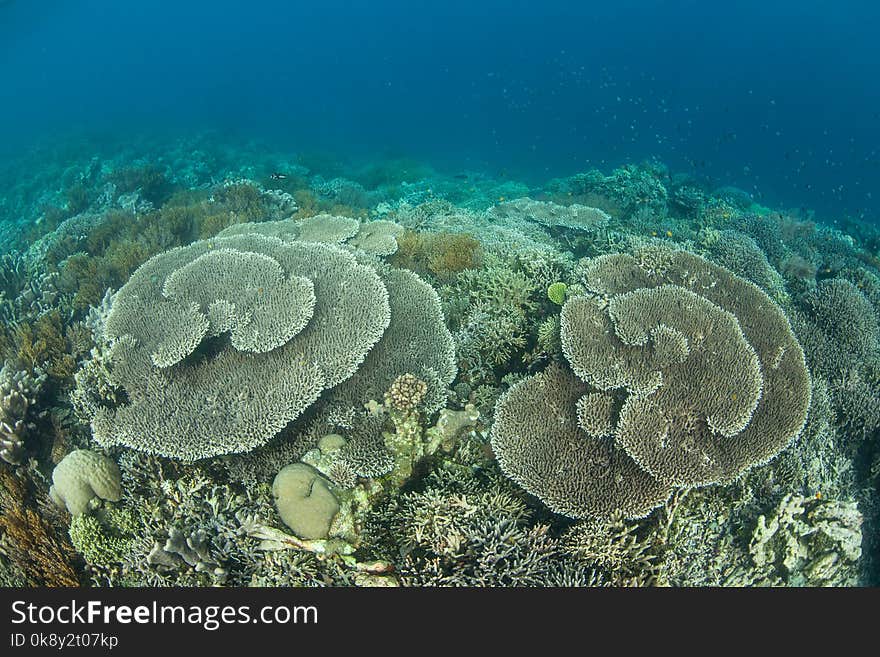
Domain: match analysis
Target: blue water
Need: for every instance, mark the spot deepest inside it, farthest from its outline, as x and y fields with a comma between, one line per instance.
x=777, y=97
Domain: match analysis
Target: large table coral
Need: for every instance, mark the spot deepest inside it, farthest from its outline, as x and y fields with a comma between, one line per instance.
x=301, y=318
x=700, y=368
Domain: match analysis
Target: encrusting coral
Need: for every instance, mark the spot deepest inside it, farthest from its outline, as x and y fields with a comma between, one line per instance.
x=808, y=542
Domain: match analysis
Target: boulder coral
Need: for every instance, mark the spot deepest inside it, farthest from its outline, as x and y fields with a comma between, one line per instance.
x=708, y=374
x=83, y=475
x=305, y=501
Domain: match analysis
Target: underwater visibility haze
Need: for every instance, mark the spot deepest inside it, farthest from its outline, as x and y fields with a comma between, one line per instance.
x=439, y=294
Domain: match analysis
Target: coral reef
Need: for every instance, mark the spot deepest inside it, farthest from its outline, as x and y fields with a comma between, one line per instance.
x=28, y=539
x=443, y=255
x=840, y=327
x=234, y=366
x=536, y=431
x=574, y=216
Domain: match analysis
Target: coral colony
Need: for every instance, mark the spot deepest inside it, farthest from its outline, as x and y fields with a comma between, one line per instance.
x=280, y=374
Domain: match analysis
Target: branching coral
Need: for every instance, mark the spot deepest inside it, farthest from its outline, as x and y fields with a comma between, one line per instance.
x=464, y=532
x=615, y=549
x=839, y=329
x=19, y=392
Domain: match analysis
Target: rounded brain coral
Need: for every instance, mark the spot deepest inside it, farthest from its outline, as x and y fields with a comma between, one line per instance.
x=83, y=475
x=711, y=377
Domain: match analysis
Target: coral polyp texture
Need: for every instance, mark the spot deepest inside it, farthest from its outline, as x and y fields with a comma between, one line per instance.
x=713, y=382
x=220, y=344
x=540, y=445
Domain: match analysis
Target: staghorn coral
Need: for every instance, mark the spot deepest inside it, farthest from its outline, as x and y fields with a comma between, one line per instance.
x=190, y=529
x=494, y=312
x=463, y=531
x=697, y=536
x=547, y=339
x=614, y=549
x=819, y=460
x=714, y=383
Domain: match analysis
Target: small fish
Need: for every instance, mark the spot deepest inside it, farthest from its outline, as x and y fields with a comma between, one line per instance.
x=278, y=176
x=461, y=176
